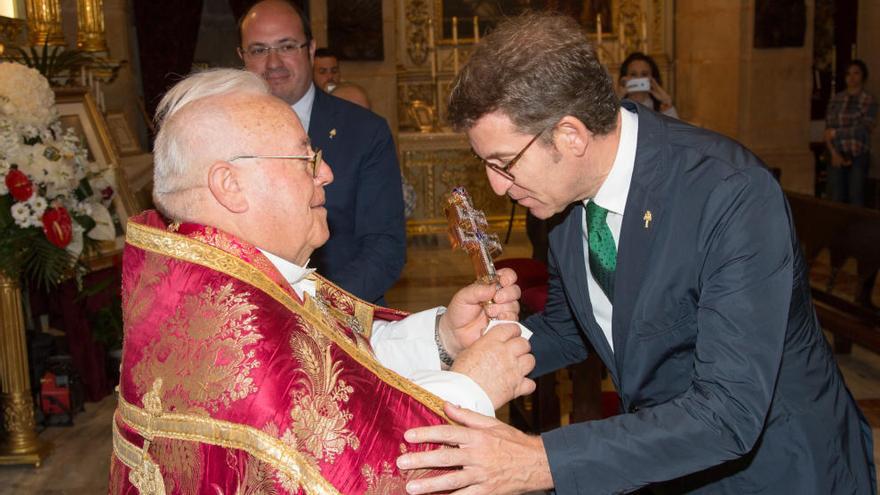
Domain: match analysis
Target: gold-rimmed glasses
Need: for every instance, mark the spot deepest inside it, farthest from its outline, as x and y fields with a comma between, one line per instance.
x=505, y=169
x=314, y=161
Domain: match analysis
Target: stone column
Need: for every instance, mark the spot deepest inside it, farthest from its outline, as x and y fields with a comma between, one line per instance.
x=20, y=445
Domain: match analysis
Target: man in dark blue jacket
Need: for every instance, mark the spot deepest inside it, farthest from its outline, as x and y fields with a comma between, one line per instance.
x=677, y=260
x=367, y=247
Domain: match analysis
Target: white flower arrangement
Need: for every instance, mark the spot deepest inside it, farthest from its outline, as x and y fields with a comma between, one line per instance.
x=26, y=97
x=53, y=194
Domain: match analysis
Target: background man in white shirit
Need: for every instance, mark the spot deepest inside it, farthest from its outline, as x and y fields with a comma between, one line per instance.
x=276, y=204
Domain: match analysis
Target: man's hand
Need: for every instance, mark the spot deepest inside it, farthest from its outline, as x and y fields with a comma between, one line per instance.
x=468, y=312
x=495, y=458
x=498, y=362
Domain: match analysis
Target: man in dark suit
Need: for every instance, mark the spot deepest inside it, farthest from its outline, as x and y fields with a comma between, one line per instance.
x=367, y=247
x=676, y=259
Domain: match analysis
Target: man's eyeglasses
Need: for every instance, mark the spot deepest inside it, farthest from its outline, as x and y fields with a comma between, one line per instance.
x=286, y=49
x=505, y=169
x=313, y=162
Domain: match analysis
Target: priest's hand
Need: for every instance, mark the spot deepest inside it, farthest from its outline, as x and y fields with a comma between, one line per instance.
x=471, y=308
x=498, y=362
x=495, y=458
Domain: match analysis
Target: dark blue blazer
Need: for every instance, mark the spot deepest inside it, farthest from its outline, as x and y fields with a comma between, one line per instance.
x=726, y=380
x=367, y=247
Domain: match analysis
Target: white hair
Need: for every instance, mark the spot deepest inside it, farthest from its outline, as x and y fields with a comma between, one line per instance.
x=173, y=152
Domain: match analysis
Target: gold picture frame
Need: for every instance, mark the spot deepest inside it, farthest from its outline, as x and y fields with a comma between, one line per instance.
x=123, y=137
x=77, y=109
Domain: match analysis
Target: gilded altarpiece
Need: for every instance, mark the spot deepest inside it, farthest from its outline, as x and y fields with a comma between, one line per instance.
x=433, y=158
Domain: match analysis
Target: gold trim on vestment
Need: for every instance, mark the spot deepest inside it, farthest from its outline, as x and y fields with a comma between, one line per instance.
x=190, y=427
x=145, y=474
x=185, y=249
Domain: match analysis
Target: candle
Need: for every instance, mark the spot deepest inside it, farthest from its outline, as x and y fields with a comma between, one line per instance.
x=454, y=45
x=433, y=50
x=599, y=28
x=476, y=30
x=645, y=34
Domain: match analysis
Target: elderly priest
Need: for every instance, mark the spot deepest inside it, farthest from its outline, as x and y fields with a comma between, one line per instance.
x=243, y=371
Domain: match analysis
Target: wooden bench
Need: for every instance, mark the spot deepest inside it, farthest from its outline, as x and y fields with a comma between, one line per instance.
x=847, y=232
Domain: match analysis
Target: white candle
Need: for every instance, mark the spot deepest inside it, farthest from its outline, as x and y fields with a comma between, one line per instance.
x=433, y=50
x=477, y=30
x=454, y=45
x=599, y=29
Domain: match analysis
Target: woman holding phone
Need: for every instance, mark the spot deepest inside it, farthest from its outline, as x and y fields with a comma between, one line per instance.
x=640, y=81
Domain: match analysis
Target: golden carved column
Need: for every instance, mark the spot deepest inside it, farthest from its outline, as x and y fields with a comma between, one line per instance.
x=44, y=22
x=20, y=445
x=90, y=26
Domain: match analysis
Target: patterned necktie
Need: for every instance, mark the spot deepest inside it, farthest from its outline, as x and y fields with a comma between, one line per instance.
x=603, y=252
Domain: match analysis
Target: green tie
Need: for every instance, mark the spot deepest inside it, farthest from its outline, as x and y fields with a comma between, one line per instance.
x=603, y=253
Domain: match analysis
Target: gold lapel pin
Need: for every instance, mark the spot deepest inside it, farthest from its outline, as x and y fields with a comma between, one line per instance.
x=647, y=218
x=332, y=133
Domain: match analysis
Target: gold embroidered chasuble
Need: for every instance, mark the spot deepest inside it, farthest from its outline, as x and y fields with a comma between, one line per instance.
x=231, y=384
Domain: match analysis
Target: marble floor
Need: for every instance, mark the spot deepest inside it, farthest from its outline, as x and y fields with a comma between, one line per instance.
x=79, y=463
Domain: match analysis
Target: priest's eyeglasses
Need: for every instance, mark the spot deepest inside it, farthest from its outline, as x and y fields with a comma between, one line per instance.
x=504, y=170
x=313, y=162
x=286, y=49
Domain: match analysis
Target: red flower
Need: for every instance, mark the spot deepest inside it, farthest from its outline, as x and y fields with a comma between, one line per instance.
x=58, y=226
x=19, y=185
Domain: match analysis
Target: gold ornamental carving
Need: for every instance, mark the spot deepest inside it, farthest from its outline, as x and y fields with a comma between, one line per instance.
x=417, y=17
x=44, y=23
x=20, y=445
x=90, y=26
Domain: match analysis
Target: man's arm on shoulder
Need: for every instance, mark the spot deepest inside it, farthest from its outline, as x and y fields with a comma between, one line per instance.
x=380, y=229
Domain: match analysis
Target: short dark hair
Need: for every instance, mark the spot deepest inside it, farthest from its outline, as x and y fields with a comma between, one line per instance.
x=303, y=17
x=535, y=68
x=862, y=67
x=325, y=52
x=655, y=71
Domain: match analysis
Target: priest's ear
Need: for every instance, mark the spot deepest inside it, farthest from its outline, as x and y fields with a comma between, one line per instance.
x=225, y=184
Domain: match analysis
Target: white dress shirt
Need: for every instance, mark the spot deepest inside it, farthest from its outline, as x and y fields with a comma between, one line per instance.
x=407, y=347
x=612, y=196
x=303, y=107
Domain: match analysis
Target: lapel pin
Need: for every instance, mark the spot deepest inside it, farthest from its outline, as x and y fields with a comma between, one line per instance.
x=647, y=218
x=332, y=133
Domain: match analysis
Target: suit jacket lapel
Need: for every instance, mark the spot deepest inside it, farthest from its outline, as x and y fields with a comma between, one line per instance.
x=574, y=276
x=321, y=121
x=642, y=219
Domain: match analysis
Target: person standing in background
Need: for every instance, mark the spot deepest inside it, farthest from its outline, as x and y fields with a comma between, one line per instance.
x=849, y=120
x=367, y=250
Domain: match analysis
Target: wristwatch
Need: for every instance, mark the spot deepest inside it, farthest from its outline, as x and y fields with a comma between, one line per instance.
x=445, y=358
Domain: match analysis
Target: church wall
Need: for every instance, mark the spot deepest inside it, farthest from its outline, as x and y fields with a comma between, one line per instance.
x=760, y=97
x=378, y=78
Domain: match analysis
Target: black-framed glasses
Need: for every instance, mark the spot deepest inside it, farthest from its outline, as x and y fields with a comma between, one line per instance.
x=285, y=49
x=505, y=169
x=314, y=161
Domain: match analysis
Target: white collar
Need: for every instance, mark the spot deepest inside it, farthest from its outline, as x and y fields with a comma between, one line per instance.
x=303, y=107
x=613, y=192
x=291, y=272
